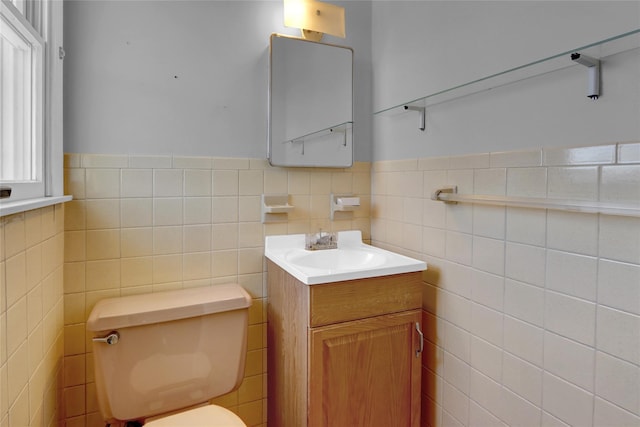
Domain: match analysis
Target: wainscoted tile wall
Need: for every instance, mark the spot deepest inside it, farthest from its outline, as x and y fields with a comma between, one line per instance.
x=532, y=316
x=31, y=317
x=141, y=224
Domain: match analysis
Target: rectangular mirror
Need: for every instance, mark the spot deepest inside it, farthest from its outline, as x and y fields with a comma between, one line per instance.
x=310, y=103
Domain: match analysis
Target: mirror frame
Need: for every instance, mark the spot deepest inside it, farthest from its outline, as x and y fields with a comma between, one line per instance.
x=346, y=127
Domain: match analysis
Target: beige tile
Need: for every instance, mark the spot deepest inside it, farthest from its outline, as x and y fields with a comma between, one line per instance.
x=341, y=182
x=224, y=183
x=33, y=227
x=36, y=352
x=618, y=334
x=19, y=412
x=250, y=235
x=74, y=183
x=167, y=182
x=224, y=263
x=49, y=221
x=74, y=370
x=251, y=412
x=75, y=215
x=250, y=182
x=249, y=208
x=607, y=414
x=71, y=160
x=224, y=209
x=224, y=236
x=103, y=244
x=150, y=162
x=230, y=163
x=74, y=308
x=16, y=278
x=167, y=240
x=167, y=211
x=250, y=389
x=525, y=263
x=136, y=271
x=102, y=183
x=74, y=398
x=299, y=182
x=136, y=241
x=602, y=154
x=103, y=274
x=275, y=182
x=197, y=182
x=102, y=213
x=16, y=332
x=14, y=235
x=250, y=260
x=91, y=299
x=34, y=308
x=196, y=265
x=136, y=183
x=52, y=255
x=197, y=238
x=136, y=212
x=618, y=285
x=74, y=277
x=104, y=161
x=192, y=162
x=526, y=226
x=320, y=182
x=74, y=339
x=17, y=373
x=197, y=210
x=167, y=268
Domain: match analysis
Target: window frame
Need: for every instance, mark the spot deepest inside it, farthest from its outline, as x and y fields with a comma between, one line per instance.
x=49, y=184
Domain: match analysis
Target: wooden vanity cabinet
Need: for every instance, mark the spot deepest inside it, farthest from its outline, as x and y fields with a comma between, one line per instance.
x=343, y=354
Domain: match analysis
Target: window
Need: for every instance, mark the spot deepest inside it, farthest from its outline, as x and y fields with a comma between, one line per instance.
x=23, y=85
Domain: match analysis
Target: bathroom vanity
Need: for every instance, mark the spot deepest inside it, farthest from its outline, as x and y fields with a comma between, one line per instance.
x=343, y=352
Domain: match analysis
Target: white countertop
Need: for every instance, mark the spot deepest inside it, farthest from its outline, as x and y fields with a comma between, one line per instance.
x=352, y=260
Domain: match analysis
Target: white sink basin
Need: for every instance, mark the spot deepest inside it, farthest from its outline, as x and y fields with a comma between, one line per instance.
x=351, y=260
x=335, y=259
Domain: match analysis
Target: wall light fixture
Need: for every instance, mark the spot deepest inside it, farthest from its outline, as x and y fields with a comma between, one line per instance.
x=314, y=18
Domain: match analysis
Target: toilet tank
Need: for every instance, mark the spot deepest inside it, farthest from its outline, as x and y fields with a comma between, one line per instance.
x=175, y=349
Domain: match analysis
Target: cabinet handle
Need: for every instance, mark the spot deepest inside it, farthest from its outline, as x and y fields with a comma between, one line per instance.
x=421, y=336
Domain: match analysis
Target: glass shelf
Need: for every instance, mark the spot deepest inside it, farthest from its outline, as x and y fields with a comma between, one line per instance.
x=600, y=49
x=337, y=129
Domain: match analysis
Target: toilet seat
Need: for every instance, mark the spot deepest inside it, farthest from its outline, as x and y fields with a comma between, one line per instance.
x=209, y=415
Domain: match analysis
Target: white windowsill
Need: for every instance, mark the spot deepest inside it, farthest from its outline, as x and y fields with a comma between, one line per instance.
x=9, y=208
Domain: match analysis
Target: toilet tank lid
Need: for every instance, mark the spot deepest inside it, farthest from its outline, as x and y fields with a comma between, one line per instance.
x=137, y=310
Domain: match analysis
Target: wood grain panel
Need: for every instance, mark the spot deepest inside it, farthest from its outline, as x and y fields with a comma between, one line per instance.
x=359, y=299
x=287, y=314
x=362, y=373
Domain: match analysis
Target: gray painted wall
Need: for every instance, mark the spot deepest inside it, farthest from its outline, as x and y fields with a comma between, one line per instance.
x=185, y=77
x=424, y=46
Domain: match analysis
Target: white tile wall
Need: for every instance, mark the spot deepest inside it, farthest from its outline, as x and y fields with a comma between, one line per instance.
x=536, y=313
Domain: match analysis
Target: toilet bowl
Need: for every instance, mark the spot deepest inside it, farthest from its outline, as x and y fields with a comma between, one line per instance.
x=159, y=358
x=209, y=415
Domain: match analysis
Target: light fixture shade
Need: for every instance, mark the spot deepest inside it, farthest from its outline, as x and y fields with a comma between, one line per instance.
x=314, y=16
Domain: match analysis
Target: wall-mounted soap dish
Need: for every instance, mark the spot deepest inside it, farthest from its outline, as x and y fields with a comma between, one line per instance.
x=342, y=206
x=275, y=208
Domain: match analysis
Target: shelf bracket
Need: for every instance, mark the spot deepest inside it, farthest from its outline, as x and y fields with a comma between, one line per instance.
x=421, y=115
x=453, y=189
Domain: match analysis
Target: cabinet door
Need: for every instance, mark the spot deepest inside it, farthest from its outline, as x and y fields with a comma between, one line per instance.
x=366, y=372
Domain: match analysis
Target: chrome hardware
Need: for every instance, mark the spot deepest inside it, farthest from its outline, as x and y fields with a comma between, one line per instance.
x=421, y=335
x=110, y=339
x=321, y=240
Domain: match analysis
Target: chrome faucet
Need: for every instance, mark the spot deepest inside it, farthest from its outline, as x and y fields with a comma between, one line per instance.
x=320, y=241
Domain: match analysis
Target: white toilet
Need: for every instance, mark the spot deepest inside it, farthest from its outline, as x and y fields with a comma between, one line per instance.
x=159, y=358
